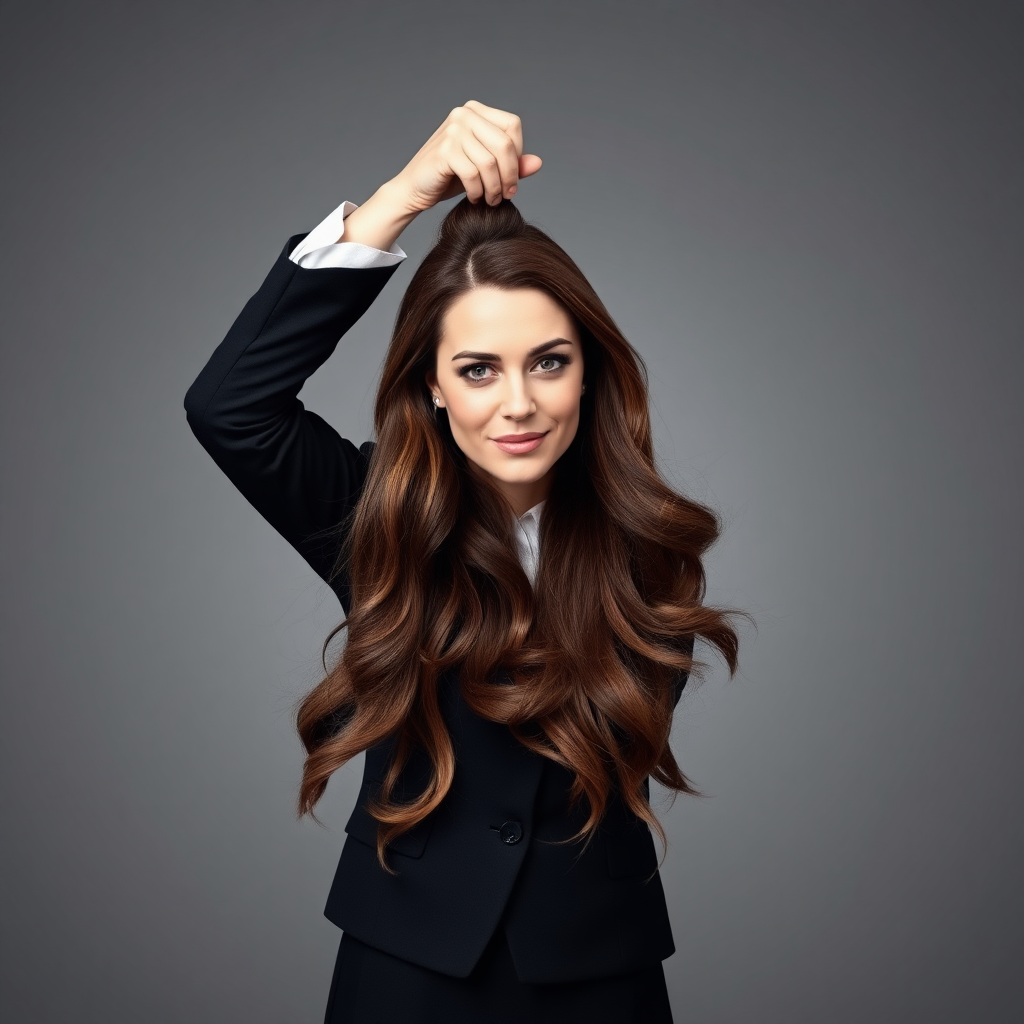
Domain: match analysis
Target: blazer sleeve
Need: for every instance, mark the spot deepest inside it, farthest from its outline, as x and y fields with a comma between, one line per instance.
x=291, y=465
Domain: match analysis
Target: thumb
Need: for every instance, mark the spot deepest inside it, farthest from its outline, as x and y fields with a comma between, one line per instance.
x=529, y=163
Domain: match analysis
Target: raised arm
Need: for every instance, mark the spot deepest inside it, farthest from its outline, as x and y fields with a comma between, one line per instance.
x=293, y=467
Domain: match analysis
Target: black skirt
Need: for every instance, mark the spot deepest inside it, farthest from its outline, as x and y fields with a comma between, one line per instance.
x=372, y=987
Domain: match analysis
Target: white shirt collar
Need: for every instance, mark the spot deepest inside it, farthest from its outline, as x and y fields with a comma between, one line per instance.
x=534, y=512
x=528, y=539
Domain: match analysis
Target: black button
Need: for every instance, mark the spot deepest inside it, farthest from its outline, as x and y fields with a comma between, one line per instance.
x=511, y=832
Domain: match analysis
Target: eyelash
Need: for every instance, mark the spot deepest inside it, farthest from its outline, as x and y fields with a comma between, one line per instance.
x=563, y=361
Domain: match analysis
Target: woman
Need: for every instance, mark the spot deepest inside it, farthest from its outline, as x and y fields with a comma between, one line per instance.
x=522, y=593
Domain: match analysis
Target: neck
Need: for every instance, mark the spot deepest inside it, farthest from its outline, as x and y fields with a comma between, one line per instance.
x=523, y=496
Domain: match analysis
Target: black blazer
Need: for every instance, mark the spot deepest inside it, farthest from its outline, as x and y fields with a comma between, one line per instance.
x=486, y=855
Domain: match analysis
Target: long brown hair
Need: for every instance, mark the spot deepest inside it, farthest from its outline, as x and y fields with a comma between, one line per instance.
x=593, y=648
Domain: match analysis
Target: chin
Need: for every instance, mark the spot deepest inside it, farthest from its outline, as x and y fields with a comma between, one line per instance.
x=520, y=474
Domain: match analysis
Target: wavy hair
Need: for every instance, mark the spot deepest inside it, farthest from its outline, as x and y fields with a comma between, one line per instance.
x=594, y=647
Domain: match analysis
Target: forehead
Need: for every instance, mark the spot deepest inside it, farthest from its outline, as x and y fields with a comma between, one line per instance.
x=500, y=318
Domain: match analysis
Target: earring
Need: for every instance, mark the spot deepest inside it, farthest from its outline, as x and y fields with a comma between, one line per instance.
x=437, y=401
x=582, y=389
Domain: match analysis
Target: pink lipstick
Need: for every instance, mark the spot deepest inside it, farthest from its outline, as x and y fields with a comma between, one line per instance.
x=519, y=444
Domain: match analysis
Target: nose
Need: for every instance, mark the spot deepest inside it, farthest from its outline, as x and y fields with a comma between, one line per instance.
x=517, y=402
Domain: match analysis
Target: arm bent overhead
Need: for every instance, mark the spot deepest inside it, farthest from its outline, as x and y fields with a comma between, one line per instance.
x=290, y=464
x=294, y=468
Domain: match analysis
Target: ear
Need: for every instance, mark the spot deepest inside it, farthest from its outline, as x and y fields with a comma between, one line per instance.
x=431, y=378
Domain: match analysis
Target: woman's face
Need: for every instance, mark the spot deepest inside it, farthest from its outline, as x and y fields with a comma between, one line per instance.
x=509, y=365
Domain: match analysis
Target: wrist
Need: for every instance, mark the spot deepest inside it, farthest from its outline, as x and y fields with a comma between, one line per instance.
x=396, y=196
x=381, y=219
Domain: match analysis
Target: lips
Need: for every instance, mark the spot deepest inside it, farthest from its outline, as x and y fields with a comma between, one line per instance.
x=519, y=444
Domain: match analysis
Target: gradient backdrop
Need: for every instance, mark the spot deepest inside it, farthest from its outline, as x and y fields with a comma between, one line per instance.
x=807, y=217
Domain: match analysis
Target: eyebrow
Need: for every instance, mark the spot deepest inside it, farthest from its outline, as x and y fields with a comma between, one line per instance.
x=490, y=356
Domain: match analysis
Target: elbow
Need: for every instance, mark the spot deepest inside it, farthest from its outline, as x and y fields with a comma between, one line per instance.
x=193, y=411
x=198, y=412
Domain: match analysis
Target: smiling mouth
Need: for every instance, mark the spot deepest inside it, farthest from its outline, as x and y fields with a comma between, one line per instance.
x=519, y=444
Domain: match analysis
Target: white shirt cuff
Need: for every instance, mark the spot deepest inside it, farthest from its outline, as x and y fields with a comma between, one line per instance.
x=322, y=248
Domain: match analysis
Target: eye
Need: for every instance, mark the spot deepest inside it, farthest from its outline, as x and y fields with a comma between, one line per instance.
x=469, y=371
x=558, y=360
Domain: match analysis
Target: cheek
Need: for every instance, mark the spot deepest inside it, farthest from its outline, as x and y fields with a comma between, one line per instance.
x=572, y=424
x=468, y=411
x=568, y=405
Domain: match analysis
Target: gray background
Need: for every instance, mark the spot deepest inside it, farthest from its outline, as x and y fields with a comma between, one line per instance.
x=807, y=217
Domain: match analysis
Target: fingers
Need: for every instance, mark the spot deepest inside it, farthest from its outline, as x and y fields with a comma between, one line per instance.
x=495, y=179
x=509, y=123
x=480, y=146
x=493, y=140
x=468, y=173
